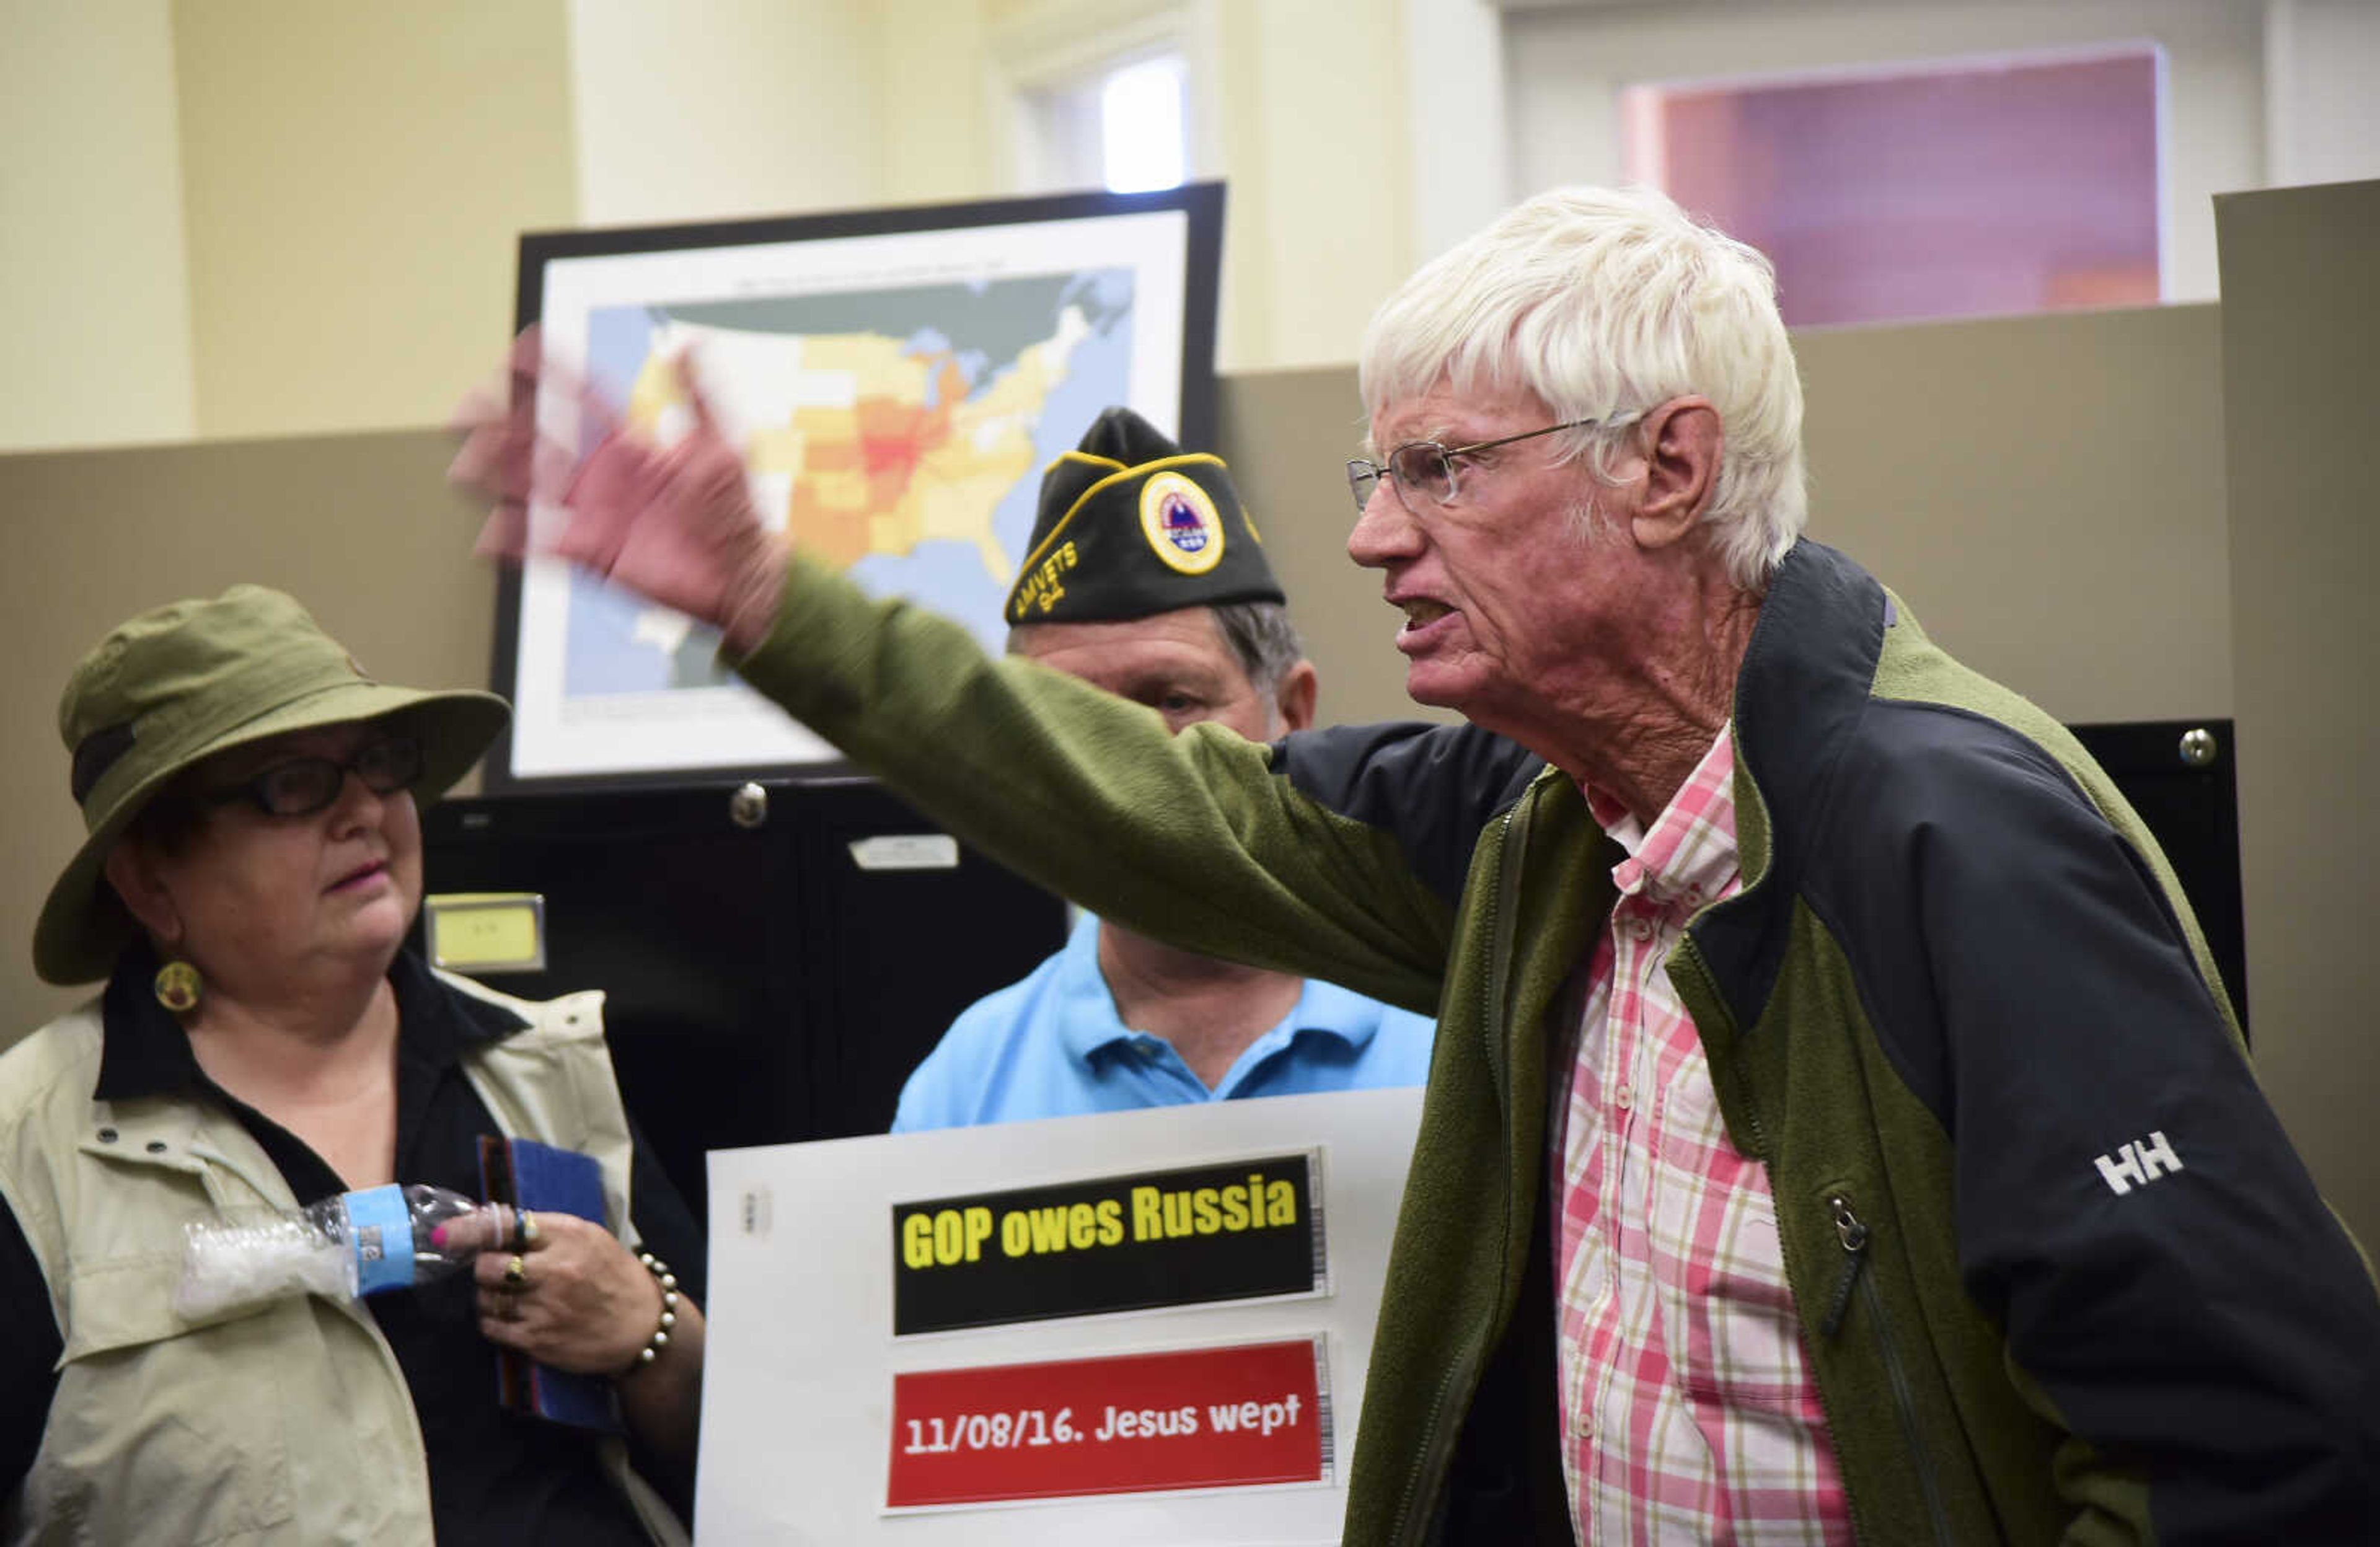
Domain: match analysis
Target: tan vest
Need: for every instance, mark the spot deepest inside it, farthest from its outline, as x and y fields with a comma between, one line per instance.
x=285, y=1424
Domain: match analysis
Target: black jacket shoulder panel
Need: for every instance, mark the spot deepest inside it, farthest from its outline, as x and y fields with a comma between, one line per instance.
x=1808, y=667
x=1433, y=786
x=1800, y=696
x=1940, y=829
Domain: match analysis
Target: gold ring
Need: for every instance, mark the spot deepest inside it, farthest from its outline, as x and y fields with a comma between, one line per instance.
x=515, y=1273
x=524, y=1225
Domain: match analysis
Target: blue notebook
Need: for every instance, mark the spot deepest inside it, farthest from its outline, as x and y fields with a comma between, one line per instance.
x=544, y=1179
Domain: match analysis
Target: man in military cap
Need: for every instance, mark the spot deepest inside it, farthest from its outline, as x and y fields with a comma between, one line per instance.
x=1146, y=577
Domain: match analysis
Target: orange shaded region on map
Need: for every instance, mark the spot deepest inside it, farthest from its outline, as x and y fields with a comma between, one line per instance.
x=858, y=465
x=880, y=446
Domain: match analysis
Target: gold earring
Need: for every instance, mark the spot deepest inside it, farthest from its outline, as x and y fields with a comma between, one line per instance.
x=179, y=986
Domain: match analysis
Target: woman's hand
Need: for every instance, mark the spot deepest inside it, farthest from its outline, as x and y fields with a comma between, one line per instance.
x=578, y=1301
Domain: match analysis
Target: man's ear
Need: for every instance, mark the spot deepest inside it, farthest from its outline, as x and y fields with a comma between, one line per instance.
x=1295, y=700
x=1682, y=442
x=132, y=870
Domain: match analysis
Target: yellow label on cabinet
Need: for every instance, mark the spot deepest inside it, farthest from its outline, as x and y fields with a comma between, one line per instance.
x=487, y=932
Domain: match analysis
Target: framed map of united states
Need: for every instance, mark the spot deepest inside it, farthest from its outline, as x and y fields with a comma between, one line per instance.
x=896, y=381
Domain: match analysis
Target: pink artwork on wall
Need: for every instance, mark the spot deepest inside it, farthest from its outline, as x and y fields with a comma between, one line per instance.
x=1941, y=190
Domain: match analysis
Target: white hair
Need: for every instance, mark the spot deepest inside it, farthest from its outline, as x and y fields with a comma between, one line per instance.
x=1603, y=303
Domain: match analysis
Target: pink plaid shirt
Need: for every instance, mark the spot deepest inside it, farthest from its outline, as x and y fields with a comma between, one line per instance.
x=1687, y=1415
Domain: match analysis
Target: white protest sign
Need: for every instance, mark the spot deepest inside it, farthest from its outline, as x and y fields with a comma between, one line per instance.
x=1147, y=1326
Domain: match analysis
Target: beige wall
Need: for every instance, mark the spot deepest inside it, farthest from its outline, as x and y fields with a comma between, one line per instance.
x=2300, y=331
x=2045, y=493
x=92, y=299
x=357, y=176
x=1288, y=435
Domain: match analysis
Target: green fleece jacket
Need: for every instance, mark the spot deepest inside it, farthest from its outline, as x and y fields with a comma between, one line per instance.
x=2059, y=1274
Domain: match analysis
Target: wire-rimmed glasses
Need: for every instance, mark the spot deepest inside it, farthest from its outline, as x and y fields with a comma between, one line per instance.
x=1426, y=468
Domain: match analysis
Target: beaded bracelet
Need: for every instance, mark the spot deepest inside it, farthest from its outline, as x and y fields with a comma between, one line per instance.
x=659, y=1340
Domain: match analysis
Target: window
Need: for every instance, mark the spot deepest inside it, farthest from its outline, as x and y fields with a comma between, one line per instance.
x=1124, y=128
x=1141, y=139
x=1941, y=189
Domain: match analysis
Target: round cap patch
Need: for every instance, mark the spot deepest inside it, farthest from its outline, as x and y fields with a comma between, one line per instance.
x=1181, y=523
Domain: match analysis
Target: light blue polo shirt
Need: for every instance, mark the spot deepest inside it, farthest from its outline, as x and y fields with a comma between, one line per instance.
x=1050, y=1046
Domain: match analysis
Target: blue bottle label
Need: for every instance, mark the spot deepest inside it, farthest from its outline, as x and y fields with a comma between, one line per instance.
x=380, y=1232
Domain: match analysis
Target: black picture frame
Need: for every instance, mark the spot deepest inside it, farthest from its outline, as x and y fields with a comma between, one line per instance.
x=1169, y=241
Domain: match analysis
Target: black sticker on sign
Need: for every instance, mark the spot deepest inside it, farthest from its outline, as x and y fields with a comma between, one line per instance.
x=1234, y=1231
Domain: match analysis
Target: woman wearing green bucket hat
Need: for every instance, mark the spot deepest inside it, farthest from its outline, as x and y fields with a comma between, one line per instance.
x=250, y=870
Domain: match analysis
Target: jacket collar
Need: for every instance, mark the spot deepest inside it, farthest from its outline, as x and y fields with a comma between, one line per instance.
x=144, y=1050
x=1803, y=687
x=1799, y=697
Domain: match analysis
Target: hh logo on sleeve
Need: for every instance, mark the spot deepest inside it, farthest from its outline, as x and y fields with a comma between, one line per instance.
x=2138, y=1163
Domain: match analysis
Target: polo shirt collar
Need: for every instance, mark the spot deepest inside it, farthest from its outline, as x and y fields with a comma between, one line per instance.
x=1088, y=1024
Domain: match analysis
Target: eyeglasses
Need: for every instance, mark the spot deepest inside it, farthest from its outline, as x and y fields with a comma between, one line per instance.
x=303, y=785
x=1428, y=469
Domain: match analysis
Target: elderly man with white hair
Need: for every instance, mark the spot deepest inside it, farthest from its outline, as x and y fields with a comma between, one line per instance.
x=1836, y=1129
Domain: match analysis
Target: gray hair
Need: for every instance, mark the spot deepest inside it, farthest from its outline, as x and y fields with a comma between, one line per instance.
x=1263, y=640
x=1603, y=303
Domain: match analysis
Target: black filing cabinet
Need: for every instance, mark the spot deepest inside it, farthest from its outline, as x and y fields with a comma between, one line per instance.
x=777, y=956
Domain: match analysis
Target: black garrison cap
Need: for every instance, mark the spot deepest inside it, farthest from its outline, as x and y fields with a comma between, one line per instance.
x=1131, y=525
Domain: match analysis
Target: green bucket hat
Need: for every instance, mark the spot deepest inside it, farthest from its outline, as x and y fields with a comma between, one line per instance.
x=185, y=681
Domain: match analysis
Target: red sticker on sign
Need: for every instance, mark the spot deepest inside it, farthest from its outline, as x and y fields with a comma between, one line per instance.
x=1203, y=1417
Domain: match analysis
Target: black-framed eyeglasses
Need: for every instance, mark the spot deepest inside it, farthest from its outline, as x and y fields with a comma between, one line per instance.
x=303, y=785
x=1426, y=468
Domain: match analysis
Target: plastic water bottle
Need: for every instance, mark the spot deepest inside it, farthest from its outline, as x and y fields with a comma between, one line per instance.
x=354, y=1244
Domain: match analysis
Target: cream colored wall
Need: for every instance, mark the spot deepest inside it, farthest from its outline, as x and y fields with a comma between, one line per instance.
x=2322, y=117
x=1296, y=113
x=356, y=176
x=722, y=108
x=92, y=299
x=822, y=105
x=230, y=217
x=939, y=144
x=1312, y=146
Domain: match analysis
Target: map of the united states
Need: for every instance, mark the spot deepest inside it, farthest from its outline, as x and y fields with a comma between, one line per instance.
x=898, y=432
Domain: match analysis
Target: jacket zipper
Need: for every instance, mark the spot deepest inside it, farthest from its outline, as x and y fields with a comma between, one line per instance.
x=1438, y=1449
x=1852, y=1234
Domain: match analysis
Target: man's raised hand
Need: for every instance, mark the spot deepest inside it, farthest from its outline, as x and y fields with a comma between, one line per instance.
x=674, y=524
